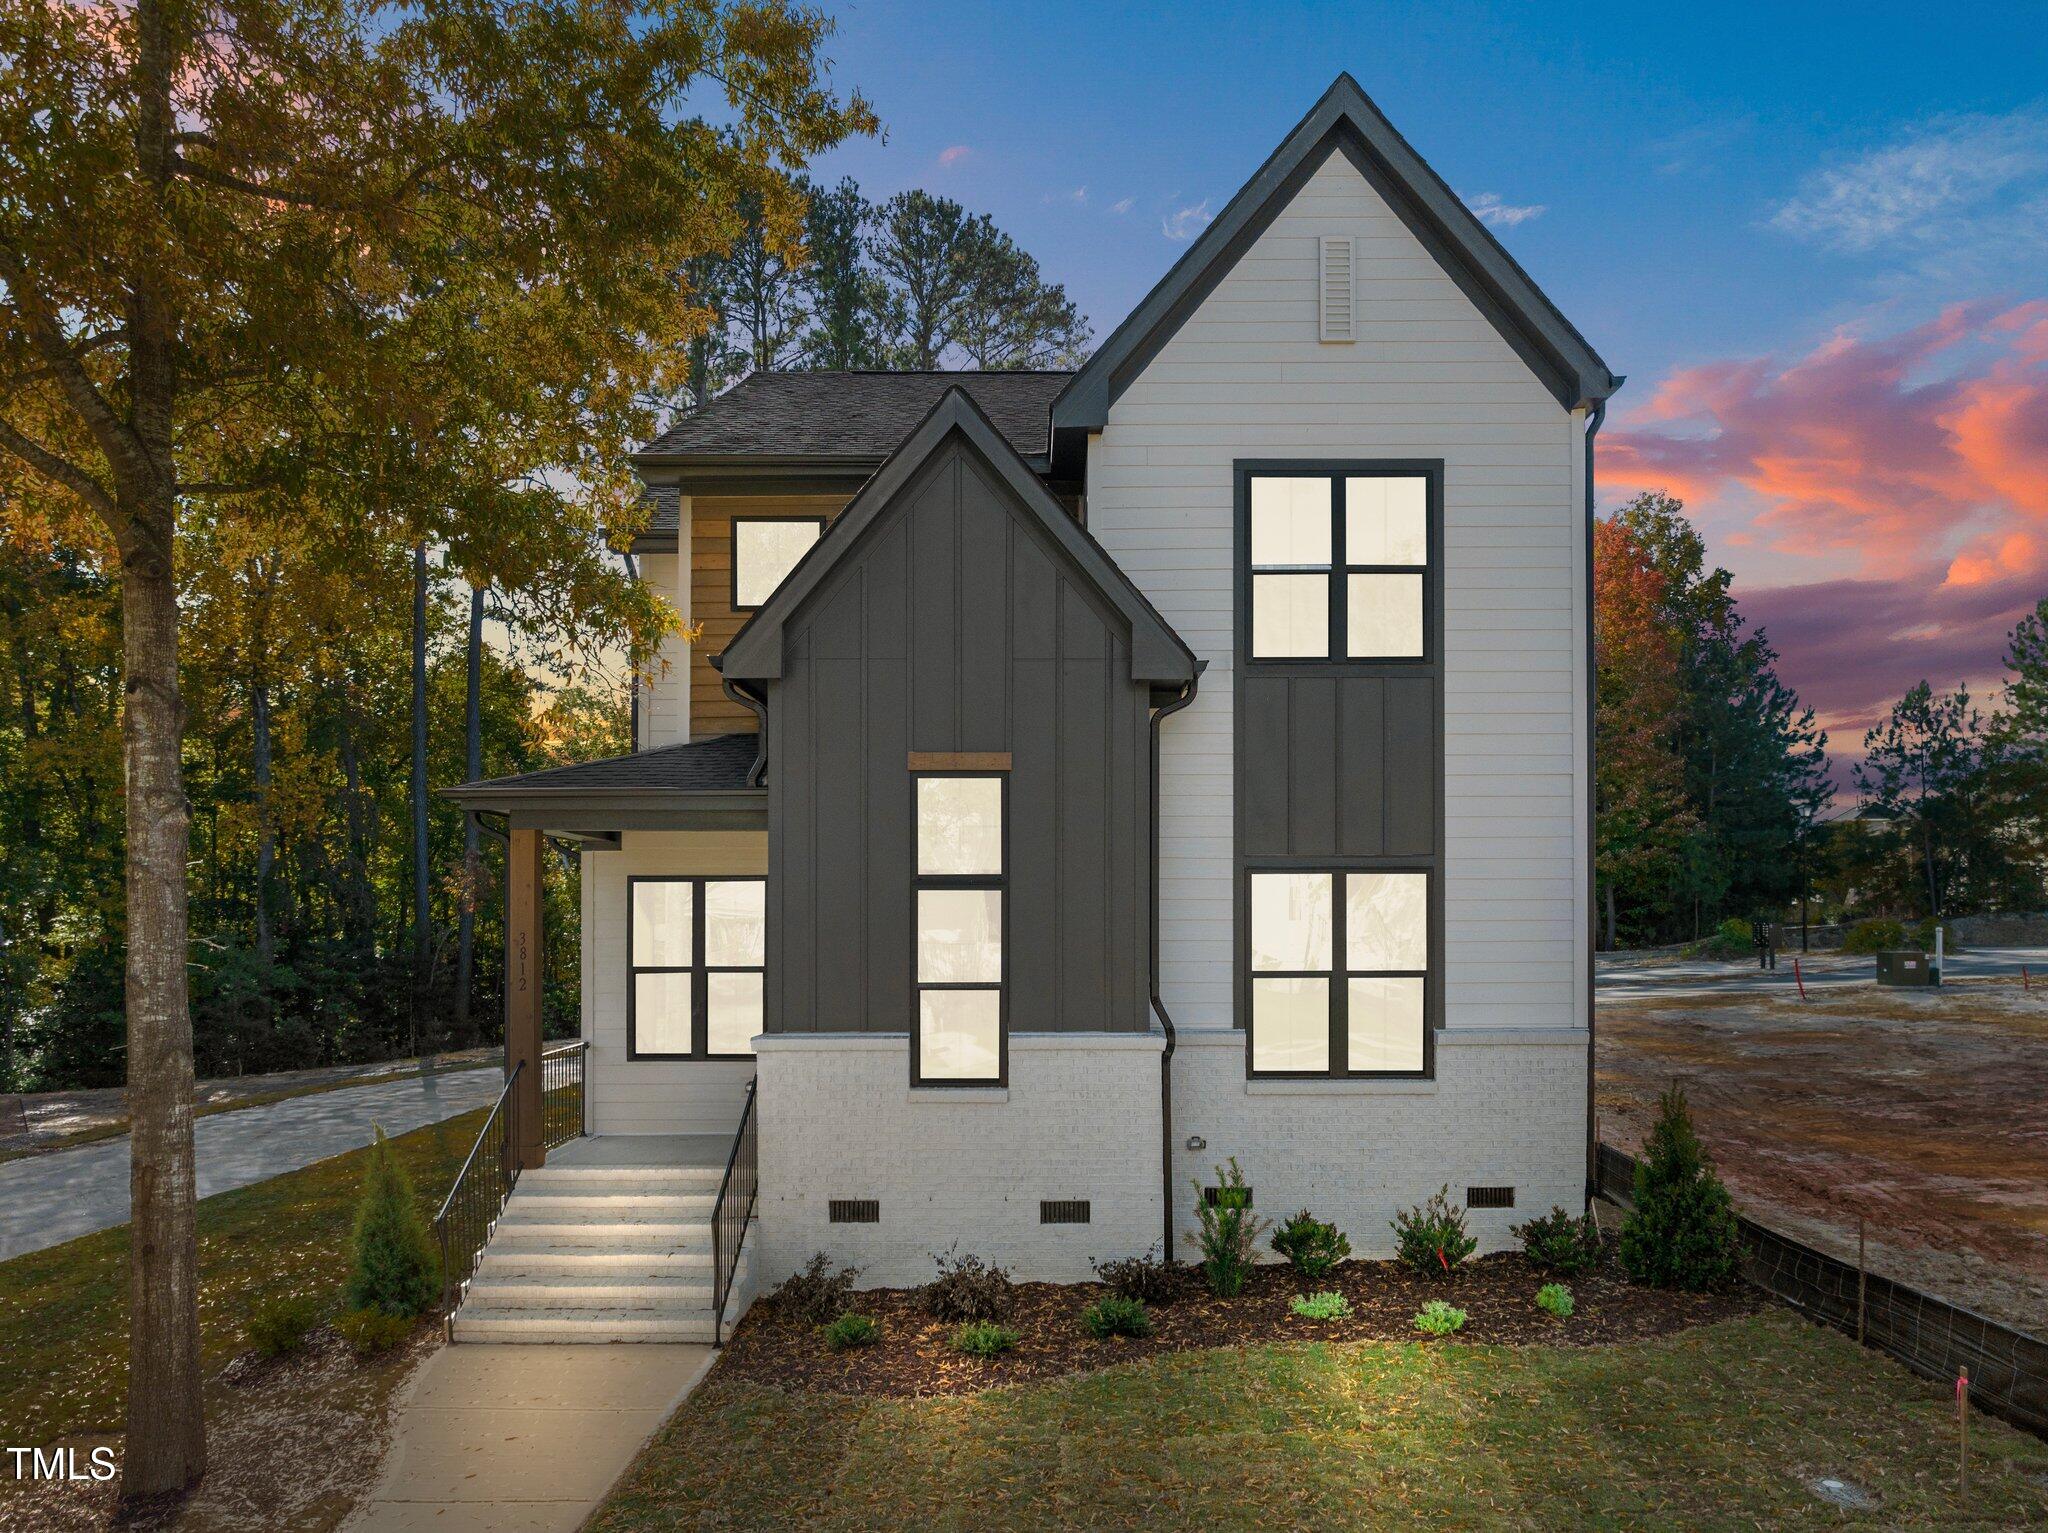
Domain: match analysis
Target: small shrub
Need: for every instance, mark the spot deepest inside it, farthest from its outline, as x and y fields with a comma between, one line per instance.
x=1147, y=1278
x=394, y=1265
x=279, y=1327
x=850, y=1331
x=1733, y=938
x=1555, y=1299
x=815, y=1294
x=1874, y=936
x=1312, y=1248
x=372, y=1330
x=1229, y=1232
x=967, y=1288
x=1431, y=1239
x=983, y=1338
x=1436, y=1318
x=1320, y=1306
x=1114, y=1315
x=1681, y=1232
x=1558, y=1243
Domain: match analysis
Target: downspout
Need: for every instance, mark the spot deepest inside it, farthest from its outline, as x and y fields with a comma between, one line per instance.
x=753, y=703
x=1593, y=423
x=1187, y=695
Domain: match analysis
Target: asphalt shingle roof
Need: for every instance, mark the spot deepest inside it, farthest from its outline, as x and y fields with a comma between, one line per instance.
x=853, y=414
x=717, y=765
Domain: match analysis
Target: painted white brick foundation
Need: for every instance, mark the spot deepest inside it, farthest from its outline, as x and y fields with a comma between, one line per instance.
x=1079, y=1119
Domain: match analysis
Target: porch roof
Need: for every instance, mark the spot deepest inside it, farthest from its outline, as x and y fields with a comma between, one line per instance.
x=701, y=785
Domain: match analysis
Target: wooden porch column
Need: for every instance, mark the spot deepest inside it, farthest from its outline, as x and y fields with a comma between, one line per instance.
x=522, y=995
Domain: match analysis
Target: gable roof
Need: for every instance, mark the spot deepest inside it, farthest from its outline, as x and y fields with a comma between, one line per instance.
x=850, y=415
x=1344, y=121
x=717, y=765
x=1157, y=652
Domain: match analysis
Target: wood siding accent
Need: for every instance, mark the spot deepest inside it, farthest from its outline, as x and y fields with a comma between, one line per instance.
x=960, y=761
x=711, y=711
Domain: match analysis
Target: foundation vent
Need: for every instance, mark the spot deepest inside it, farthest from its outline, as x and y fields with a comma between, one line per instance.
x=854, y=1210
x=1489, y=1197
x=1063, y=1211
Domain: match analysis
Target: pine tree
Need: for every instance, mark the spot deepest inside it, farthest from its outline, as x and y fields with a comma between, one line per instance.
x=395, y=1267
x=1681, y=1232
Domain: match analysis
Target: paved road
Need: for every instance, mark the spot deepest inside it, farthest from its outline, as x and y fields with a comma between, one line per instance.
x=47, y=1199
x=1628, y=979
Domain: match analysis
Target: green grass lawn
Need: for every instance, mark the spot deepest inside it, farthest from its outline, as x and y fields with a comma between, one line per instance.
x=1719, y=1427
x=64, y=1311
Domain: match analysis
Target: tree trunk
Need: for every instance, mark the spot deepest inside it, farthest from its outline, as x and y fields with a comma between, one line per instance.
x=472, y=860
x=166, y=1442
x=1610, y=917
x=259, y=712
x=422, y=937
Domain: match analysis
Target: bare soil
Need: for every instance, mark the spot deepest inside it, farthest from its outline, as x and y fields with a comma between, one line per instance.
x=1922, y=1113
x=912, y=1356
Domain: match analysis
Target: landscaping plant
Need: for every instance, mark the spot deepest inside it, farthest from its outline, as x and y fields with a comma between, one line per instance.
x=279, y=1327
x=1311, y=1247
x=373, y=1330
x=1321, y=1306
x=1115, y=1315
x=1229, y=1232
x=1147, y=1278
x=1681, y=1231
x=850, y=1331
x=1436, y=1318
x=1873, y=936
x=395, y=1266
x=1555, y=1299
x=1558, y=1243
x=967, y=1288
x=1431, y=1239
x=983, y=1338
x=814, y=1293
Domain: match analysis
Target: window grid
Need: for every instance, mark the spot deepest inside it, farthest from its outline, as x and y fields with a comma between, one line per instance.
x=1338, y=977
x=733, y=536
x=699, y=971
x=998, y=883
x=1338, y=571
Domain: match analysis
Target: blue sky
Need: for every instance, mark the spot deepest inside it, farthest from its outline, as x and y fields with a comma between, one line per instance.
x=1758, y=214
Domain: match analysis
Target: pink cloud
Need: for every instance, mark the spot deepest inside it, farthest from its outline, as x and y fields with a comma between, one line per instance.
x=954, y=154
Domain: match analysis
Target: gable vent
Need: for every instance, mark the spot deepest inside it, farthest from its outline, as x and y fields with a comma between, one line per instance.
x=1489, y=1197
x=1063, y=1211
x=1338, y=290
x=853, y=1210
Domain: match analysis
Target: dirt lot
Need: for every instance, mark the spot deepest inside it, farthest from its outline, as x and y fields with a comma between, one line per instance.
x=1925, y=1113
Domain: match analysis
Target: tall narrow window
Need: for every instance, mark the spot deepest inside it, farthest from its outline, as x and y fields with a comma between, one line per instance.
x=764, y=550
x=960, y=899
x=696, y=961
x=1339, y=972
x=1339, y=566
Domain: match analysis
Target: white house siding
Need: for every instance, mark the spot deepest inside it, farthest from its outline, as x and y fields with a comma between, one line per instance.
x=665, y=695
x=647, y=1096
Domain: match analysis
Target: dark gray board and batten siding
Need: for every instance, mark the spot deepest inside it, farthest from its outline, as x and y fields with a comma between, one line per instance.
x=956, y=623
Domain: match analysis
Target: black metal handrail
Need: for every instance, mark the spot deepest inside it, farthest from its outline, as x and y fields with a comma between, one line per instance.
x=564, y=1101
x=729, y=1215
x=471, y=1209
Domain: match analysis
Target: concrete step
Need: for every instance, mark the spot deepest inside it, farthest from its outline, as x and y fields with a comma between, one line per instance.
x=582, y=1236
x=582, y=1326
x=549, y=1292
x=620, y=1179
x=649, y=1266
x=609, y=1207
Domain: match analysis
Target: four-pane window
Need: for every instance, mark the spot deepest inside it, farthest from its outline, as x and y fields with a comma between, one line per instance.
x=696, y=958
x=959, y=907
x=1339, y=566
x=1339, y=972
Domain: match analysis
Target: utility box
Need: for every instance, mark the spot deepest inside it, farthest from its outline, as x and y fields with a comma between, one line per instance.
x=1905, y=967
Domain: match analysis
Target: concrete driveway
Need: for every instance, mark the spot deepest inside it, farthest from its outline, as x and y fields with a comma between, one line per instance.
x=1626, y=977
x=48, y=1199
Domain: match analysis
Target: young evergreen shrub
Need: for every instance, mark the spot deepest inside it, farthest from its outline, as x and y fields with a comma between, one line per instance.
x=1145, y=1278
x=1312, y=1248
x=372, y=1330
x=1431, y=1239
x=983, y=1338
x=1874, y=936
x=395, y=1266
x=1229, y=1232
x=1114, y=1315
x=1681, y=1232
x=1320, y=1306
x=967, y=1288
x=279, y=1327
x=850, y=1331
x=1555, y=1299
x=1558, y=1243
x=1436, y=1318
x=815, y=1294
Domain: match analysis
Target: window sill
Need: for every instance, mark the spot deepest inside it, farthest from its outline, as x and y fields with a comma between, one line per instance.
x=959, y=1094
x=1339, y=1088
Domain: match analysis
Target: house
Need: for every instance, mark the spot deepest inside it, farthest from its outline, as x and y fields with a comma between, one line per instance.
x=1081, y=779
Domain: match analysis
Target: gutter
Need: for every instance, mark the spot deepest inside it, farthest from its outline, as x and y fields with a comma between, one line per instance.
x=1159, y=715
x=1594, y=420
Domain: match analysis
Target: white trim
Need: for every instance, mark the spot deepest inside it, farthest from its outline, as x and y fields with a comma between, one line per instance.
x=776, y=1043
x=1336, y=1086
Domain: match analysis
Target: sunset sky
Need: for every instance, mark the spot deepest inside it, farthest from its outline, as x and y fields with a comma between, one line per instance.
x=1814, y=238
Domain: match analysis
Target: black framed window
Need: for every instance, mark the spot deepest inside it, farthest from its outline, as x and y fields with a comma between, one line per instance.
x=1340, y=971
x=960, y=1036
x=764, y=550
x=1339, y=565
x=695, y=962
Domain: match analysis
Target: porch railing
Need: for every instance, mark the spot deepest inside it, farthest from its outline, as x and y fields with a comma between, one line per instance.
x=729, y=1215
x=564, y=1101
x=473, y=1204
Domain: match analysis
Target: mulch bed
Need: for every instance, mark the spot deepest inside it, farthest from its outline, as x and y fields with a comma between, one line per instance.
x=1498, y=1293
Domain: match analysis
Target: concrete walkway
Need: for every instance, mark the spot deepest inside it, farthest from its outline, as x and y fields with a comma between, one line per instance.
x=522, y=1439
x=48, y=1199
